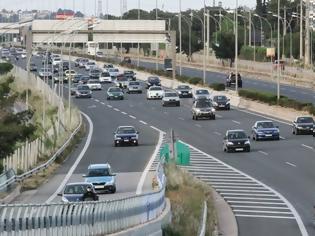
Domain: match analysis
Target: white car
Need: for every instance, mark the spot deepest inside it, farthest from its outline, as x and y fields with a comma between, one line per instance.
x=170, y=98
x=114, y=72
x=56, y=61
x=155, y=92
x=202, y=94
x=105, y=77
x=23, y=55
x=94, y=84
x=83, y=62
x=69, y=73
x=89, y=65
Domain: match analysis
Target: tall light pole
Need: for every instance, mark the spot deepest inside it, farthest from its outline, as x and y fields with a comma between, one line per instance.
x=204, y=41
x=307, y=33
x=244, y=20
x=301, y=29
x=236, y=46
x=180, y=37
x=138, y=49
x=278, y=54
x=271, y=31
x=261, y=28
x=208, y=34
x=157, y=44
x=189, y=23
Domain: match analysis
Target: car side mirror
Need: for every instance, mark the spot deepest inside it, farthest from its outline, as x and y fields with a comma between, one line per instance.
x=137, y=132
x=248, y=137
x=277, y=126
x=225, y=138
x=113, y=174
x=59, y=194
x=229, y=100
x=254, y=127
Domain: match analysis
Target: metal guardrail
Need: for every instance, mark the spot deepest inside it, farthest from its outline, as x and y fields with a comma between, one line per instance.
x=17, y=178
x=84, y=218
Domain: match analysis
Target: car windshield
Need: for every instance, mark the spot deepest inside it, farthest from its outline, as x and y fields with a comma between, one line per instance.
x=305, y=120
x=91, y=63
x=155, y=88
x=203, y=104
x=84, y=87
x=183, y=87
x=45, y=70
x=98, y=172
x=105, y=74
x=126, y=130
x=85, y=77
x=220, y=98
x=134, y=83
x=93, y=81
x=202, y=92
x=114, y=90
x=75, y=189
x=265, y=125
x=128, y=72
x=95, y=72
x=170, y=95
x=77, y=76
x=154, y=79
x=237, y=135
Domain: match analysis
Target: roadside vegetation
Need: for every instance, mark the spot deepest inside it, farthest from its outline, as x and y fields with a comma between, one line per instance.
x=187, y=195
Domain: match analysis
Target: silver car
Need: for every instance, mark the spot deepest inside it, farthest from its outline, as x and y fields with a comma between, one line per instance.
x=170, y=98
x=134, y=87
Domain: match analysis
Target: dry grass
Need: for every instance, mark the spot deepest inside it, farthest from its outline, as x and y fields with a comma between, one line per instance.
x=187, y=196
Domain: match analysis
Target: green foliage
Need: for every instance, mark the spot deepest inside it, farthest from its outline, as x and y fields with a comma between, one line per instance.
x=271, y=99
x=217, y=86
x=247, y=53
x=5, y=68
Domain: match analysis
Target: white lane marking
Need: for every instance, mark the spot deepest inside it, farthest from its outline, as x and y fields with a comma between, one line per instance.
x=92, y=106
x=96, y=100
x=198, y=125
x=283, y=138
x=306, y=146
x=124, y=113
x=273, y=200
x=149, y=164
x=244, y=190
x=267, y=212
x=180, y=118
x=264, y=153
x=165, y=112
x=102, y=103
x=260, y=207
x=109, y=106
x=268, y=216
x=279, y=195
x=219, y=116
x=217, y=133
x=261, y=203
x=290, y=164
x=76, y=163
x=237, y=122
x=157, y=129
x=141, y=121
x=116, y=109
x=247, y=194
x=133, y=117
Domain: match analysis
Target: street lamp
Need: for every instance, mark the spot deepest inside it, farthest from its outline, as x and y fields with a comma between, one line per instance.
x=261, y=28
x=271, y=32
x=244, y=20
x=189, y=23
x=180, y=37
x=220, y=15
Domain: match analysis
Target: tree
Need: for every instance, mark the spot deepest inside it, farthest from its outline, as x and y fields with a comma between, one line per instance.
x=225, y=49
x=259, y=7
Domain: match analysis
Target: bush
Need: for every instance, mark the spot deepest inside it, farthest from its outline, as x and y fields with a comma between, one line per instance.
x=5, y=68
x=271, y=99
x=247, y=53
x=217, y=86
x=195, y=80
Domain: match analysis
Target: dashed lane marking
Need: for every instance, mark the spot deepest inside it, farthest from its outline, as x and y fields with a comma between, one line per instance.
x=180, y=118
x=236, y=122
x=290, y=164
x=116, y=109
x=264, y=153
x=109, y=106
x=124, y=113
x=132, y=117
x=102, y=103
x=217, y=133
x=198, y=125
x=143, y=122
x=308, y=147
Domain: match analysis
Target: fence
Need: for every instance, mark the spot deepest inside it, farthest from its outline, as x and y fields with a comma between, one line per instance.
x=83, y=218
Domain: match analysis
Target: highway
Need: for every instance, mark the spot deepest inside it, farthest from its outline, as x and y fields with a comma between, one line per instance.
x=294, y=92
x=286, y=166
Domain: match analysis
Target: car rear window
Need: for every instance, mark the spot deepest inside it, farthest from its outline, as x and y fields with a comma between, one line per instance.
x=170, y=95
x=134, y=83
x=155, y=88
x=75, y=189
x=105, y=74
x=202, y=92
x=114, y=90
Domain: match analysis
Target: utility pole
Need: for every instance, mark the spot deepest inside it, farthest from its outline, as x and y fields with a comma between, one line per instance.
x=278, y=54
x=173, y=49
x=208, y=34
x=236, y=47
x=250, y=29
x=284, y=30
x=180, y=37
x=138, y=49
x=307, y=33
x=204, y=41
x=301, y=29
x=157, y=44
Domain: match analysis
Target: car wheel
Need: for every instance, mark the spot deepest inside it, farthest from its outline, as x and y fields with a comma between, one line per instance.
x=228, y=150
x=122, y=98
x=193, y=117
x=297, y=132
x=178, y=104
x=113, y=190
x=116, y=144
x=136, y=143
x=224, y=149
x=228, y=108
x=293, y=131
x=108, y=98
x=253, y=137
x=247, y=149
x=196, y=118
x=213, y=117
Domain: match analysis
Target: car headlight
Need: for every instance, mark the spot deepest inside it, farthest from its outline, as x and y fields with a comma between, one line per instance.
x=64, y=199
x=228, y=102
x=111, y=182
x=215, y=104
x=247, y=142
x=189, y=91
x=198, y=110
x=276, y=131
x=229, y=143
x=117, y=137
x=212, y=109
x=180, y=92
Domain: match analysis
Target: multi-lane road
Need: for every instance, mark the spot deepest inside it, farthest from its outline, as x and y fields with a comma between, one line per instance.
x=279, y=168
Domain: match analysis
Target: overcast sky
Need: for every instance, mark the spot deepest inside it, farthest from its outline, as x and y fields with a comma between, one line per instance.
x=88, y=6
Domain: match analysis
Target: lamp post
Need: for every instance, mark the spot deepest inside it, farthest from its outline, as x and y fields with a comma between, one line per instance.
x=236, y=46
x=261, y=28
x=278, y=54
x=189, y=23
x=180, y=37
x=244, y=19
x=271, y=31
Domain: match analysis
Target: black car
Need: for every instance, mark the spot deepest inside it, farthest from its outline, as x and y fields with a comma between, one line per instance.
x=303, y=124
x=231, y=80
x=221, y=102
x=153, y=81
x=78, y=192
x=184, y=91
x=84, y=79
x=65, y=65
x=235, y=141
x=77, y=78
x=131, y=75
x=33, y=67
x=126, y=135
x=83, y=91
x=77, y=61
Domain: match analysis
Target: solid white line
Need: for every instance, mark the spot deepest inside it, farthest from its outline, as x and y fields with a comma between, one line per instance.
x=261, y=203
x=261, y=207
x=116, y=109
x=147, y=168
x=124, y=113
x=153, y=127
x=264, y=153
x=133, y=117
x=109, y=106
x=273, y=200
x=235, y=187
x=96, y=100
x=180, y=118
x=242, y=190
x=76, y=163
x=283, y=138
x=268, y=212
x=102, y=103
x=211, y=176
x=219, y=116
x=237, y=122
x=266, y=216
x=248, y=194
x=217, y=133
x=198, y=125
x=306, y=146
x=141, y=121
x=290, y=164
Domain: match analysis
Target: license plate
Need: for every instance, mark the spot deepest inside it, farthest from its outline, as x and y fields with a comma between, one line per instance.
x=98, y=186
x=185, y=93
x=239, y=149
x=116, y=96
x=268, y=135
x=221, y=106
x=126, y=140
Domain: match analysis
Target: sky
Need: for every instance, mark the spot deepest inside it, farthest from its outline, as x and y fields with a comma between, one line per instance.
x=88, y=6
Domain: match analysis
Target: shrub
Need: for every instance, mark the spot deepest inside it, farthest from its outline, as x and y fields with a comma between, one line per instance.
x=5, y=68
x=195, y=80
x=217, y=86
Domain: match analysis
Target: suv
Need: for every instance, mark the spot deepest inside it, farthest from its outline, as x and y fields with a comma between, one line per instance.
x=126, y=60
x=170, y=98
x=203, y=109
x=131, y=75
x=303, y=124
x=102, y=178
x=126, y=135
x=265, y=130
x=153, y=81
x=221, y=102
x=202, y=93
x=236, y=140
x=231, y=80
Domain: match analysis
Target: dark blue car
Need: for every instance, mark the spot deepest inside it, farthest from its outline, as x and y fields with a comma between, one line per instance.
x=78, y=192
x=263, y=130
